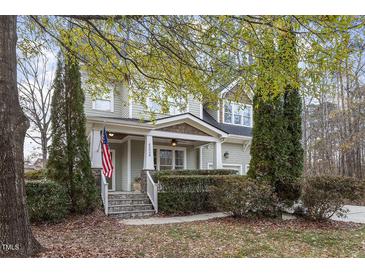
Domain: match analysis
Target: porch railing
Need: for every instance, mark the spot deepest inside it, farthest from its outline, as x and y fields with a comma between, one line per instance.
x=104, y=192
x=152, y=191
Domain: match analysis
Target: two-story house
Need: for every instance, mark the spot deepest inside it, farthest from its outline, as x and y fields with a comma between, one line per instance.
x=202, y=137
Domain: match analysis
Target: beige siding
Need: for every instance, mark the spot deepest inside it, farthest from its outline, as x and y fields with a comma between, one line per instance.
x=118, y=165
x=237, y=156
x=194, y=107
x=139, y=112
x=125, y=102
x=191, y=158
x=124, y=167
x=137, y=150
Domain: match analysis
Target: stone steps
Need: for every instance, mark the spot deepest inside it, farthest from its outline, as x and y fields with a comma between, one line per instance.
x=127, y=195
x=118, y=208
x=129, y=201
x=132, y=214
x=128, y=205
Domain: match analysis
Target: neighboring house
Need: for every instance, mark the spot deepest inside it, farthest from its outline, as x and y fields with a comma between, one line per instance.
x=28, y=166
x=37, y=165
x=199, y=138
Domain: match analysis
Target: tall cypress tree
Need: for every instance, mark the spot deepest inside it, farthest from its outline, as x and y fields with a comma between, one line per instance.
x=57, y=161
x=276, y=150
x=71, y=145
x=292, y=110
x=268, y=155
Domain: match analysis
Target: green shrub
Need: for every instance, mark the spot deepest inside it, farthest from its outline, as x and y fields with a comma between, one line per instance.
x=325, y=196
x=186, y=193
x=195, y=172
x=47, y=201
x=34, y=175
x=243, y=196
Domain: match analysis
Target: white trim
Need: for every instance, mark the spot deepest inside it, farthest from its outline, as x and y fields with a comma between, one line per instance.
x=91, y=145
x=229, y=87
x=232, y=119
x=201, y=157
x=210, y=166
x=232, y=85
x=148, y=153
x=247, y=167
x=173, y=135
x=187, y=117
x=129, y=166
x=246, y=145
x=173, y=149
x=201, y=111
x=130, y=110
x=218, y=113
x=111, y=121
x=111, y=103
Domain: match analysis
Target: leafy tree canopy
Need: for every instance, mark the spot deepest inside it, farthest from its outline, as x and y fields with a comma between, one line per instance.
x=197, y=54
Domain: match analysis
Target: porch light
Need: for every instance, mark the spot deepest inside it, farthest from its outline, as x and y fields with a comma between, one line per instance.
x=111, y=134
x=173, y=142
x=226, y=155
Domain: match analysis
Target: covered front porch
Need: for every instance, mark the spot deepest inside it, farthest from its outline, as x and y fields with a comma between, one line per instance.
x=167, y=144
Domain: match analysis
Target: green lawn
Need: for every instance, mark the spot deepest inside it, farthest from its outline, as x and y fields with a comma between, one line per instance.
x=98, y=236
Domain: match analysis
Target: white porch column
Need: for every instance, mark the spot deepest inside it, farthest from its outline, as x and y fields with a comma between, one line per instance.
x=148, y=153
x=95, y=149
x=217, y=155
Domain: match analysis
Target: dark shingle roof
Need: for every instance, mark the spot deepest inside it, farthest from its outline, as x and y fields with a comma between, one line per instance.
x=230, y=129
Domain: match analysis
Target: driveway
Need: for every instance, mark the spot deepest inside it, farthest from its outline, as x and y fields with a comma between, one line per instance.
x=356, y=214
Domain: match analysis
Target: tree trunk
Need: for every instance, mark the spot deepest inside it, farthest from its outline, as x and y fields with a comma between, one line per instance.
x=16, y=238
x=44, y=148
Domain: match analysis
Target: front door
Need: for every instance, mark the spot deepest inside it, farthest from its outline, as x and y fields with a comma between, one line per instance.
x=111, y=181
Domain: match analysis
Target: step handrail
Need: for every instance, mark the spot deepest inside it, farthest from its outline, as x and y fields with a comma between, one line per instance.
x=104, y=193
x=152, y=191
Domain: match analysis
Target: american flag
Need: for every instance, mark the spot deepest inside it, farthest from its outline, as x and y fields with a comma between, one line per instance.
x=107, y=158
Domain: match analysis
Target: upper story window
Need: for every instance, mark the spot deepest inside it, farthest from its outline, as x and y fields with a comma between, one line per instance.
x=104, y=102
x=238, y=114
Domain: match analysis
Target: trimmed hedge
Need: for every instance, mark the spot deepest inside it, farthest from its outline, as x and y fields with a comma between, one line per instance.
x=47, y=201
x=244, y=197
x=325, y=196
x=187, y=193
x=195, y=172
x=34, y=175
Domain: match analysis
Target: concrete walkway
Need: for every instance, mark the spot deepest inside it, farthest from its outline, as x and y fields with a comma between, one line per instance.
x=356, y=214
x=174, y=220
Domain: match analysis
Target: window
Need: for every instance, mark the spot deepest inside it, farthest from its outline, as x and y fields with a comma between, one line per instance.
x=104, y=103
x=238, y=114
x=227, y=113
x=179, y=159
x=166, y=158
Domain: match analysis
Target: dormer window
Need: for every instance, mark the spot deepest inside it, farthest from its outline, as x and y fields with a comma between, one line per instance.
x=237, y=114
x=104, y=102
